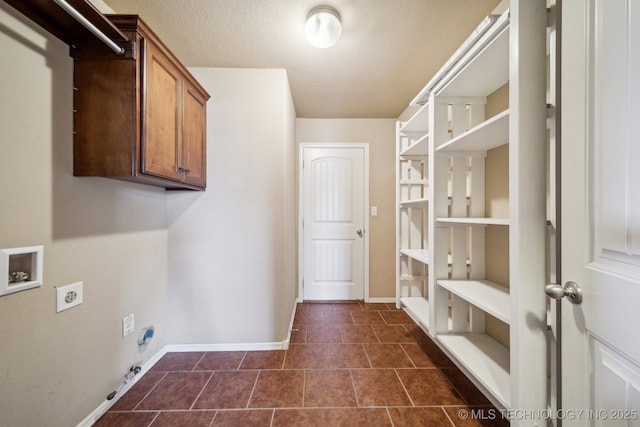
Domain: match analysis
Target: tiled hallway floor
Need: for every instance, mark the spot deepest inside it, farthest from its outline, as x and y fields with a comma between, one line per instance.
x=351, y=364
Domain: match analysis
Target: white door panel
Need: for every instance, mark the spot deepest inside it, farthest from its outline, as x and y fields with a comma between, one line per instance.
x=334, y=202
x=601, y=210
x=617, y=380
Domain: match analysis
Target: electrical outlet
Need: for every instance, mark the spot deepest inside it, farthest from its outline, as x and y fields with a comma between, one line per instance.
x=128, y=325
x=68, y=296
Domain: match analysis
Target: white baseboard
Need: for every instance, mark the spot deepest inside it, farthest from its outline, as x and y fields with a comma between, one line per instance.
x=285, y=343
x=107, y=404
x=374, y=300
x=225, y=347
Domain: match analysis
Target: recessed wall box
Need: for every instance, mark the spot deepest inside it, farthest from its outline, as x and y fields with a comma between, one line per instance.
x=20, y=269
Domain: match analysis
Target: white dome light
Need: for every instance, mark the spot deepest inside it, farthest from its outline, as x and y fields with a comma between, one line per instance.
x=323, y=26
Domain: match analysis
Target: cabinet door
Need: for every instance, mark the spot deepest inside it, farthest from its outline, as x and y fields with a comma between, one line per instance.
x=194, y=143
x=162, y=121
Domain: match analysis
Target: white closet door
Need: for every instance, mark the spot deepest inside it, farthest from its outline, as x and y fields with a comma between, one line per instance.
x=601, y=211
x=334, y=223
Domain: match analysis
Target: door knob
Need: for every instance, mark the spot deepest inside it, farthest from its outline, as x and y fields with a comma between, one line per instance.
x=570, y=289
x=360, y=232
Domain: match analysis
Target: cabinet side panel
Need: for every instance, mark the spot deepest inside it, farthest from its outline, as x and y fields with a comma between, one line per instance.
x=104, y=117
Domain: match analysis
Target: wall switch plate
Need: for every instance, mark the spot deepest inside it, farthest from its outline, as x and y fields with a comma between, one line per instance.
x=68, y=296
x=128, y=325
x=374, y=211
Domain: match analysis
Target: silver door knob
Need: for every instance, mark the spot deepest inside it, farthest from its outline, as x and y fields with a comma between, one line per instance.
x=571, y=290
x=360, y=232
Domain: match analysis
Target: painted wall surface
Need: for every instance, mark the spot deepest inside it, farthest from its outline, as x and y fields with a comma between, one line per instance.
x=497, y=206
x=380, y=134
x=232, y=248
x=55, y=369
x=212, y=267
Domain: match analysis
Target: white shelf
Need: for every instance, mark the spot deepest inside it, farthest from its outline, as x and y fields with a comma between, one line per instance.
x=473, y=221
x=487, y=296
x=487, y=135
x=485, y=68
x=414, y=182
x=410, y=278
x=419, y=148
x=485, y=359
x=417, y=203
x=418, y=123
x=457, y=168
x=421, y=255
x=418, y=309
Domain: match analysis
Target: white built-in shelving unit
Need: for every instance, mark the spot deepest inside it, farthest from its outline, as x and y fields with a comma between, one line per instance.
x=413, y=201
x=446, y=225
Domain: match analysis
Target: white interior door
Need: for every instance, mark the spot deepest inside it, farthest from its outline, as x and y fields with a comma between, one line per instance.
x=601, y=211
x=334, y=224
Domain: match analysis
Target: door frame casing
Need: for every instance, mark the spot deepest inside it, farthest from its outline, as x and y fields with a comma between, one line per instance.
x=353, y=145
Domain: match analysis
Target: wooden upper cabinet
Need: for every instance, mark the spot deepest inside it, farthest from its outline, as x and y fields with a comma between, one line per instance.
x=162, y=121
x=194, y=147
x=138, y=117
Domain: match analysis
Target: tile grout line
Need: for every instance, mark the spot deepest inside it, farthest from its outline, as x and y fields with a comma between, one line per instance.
x=413, y=404
x=244, y=356
x=149, y=392
x=446, y=414
x=304, y=385
x=198, y=362
x=390, y=417
x=253, y=389
x=154, y=418
x=202, y=389
x=366, y=353
x=407, y=354
x=213, y=418
x=353, y=386
x=446, y=377
x=273, y=417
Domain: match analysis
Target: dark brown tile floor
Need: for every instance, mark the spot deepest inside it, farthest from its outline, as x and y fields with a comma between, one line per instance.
x=349, y=364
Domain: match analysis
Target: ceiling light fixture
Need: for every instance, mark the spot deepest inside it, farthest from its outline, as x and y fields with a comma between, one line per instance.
x=323, y=26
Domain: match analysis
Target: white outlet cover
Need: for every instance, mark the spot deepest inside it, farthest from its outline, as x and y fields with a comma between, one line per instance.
x=68, y=296
x=128, y=325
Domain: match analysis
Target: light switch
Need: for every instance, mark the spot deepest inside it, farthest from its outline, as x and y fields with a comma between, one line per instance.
x=128, y=324
x=374, y=211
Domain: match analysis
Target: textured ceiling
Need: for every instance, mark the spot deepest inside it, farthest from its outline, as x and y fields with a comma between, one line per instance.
x=388, y=51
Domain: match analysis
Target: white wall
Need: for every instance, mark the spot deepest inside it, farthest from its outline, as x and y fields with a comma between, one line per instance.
x=232, y=248
x=380, y=135
x=57, y=368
